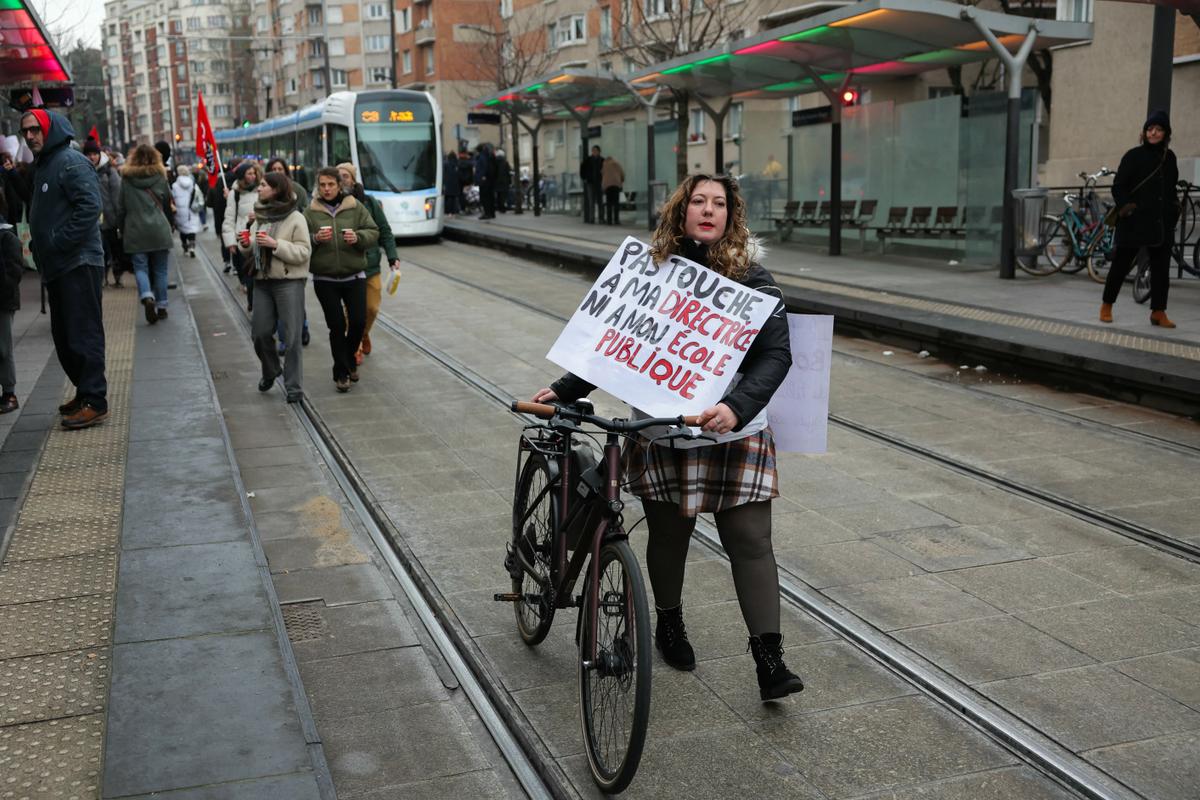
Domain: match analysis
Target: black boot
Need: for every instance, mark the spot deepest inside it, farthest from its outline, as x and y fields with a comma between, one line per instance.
x=775, y=680
x=671, y=638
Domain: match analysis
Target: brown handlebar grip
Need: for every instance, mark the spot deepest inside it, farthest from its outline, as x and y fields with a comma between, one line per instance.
x=536, y=409
x=692, y=421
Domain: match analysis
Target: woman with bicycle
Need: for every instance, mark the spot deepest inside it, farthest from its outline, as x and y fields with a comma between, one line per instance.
x=730, y=473
x=1147, y=208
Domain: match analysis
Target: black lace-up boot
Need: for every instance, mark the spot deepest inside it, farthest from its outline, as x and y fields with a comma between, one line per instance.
x=775, y=680
x=671, y=638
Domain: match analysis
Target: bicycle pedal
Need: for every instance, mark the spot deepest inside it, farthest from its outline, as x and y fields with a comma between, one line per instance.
x=507, y=597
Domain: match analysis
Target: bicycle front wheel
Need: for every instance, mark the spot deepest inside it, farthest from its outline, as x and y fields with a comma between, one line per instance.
x=1141, y=279
x=1052, y=234
x=614, y=687
x=535, y=519
x=1098, y=261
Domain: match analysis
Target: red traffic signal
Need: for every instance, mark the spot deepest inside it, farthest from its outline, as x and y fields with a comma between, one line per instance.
x=849, y=97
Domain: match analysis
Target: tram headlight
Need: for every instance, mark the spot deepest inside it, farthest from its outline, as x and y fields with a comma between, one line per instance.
x=430, y=207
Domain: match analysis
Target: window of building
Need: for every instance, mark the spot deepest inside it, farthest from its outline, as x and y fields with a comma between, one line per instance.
x=376, y=11
x=567, y=31
x=337, y=47
x=733, y=121
x=552, y=36
x=221, y=110
x=379, y=75
x=404, y=20
x=696, y=125
x=605, y=28
x=316, y=47
x=314, y=15
x=377, y=44
x=406, y=62
x=261, y=24
x=656, y=9
x=193, y=23
x=182, y=90
x=185, y=114
x=288, y=25
x=429, y=60
x=1074, y=10
x=506, y=8
x=333, y=15
x=318, y=80
x=736, y=34
x=221, y=88
x=217, y=21
x=292, y=86
x=112, y=29
x=181, y=70
x=180, y=49
x=338, y=76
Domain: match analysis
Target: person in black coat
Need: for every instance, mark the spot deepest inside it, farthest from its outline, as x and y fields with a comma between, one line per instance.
x=215, y=199
x=485, y=179
x=12, y=264
x=1144, y=194
x=503, y=181
x=733, y=477
x=451, y=187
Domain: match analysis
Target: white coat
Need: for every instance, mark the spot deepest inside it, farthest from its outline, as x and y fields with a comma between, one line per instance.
x=188, y=202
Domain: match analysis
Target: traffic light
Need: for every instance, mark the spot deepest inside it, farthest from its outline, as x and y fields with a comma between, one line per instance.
x=245, y=123
x=849, y=97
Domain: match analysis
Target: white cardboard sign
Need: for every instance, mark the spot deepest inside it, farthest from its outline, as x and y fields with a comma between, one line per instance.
x=799, y=411
x=667, y=338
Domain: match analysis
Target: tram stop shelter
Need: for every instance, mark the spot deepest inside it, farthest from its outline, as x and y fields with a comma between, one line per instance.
x=28, y=56
x=867, y=42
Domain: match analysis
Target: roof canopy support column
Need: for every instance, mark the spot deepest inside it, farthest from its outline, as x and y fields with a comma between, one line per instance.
x=651, y=111
x=835, y=158
x=718, y=118
x=1013, y=65
x=533, y=131
x=1162, y=59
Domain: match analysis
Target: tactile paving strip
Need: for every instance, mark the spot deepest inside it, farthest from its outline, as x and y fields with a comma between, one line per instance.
x=105, y=479
x=51, y=626
x=51, y=579
x=60, y=758
x=50, y=687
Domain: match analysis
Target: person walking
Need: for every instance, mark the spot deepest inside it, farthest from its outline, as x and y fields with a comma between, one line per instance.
x=12, y=265
x=451, y=188
x=503, y=181
x=348, y=178
x=15, y=190
x=64, y=226
x=277, y=248
x=466, y=177
x=591, y=174
x=164, y=150
x=1148, y=208
x=734, y=477
x=142, y=214
x=188, y=202
x=239, y=214
x=280, y=167
x=485, y=179
x=215, y=200
x=612, y=179
x=110, y=191
x=342, y=231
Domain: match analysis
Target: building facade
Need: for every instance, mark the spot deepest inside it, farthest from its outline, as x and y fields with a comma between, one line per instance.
x=158, y=55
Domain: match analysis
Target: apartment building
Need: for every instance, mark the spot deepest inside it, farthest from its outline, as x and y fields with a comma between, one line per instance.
x=307, y=44
x=159, y=54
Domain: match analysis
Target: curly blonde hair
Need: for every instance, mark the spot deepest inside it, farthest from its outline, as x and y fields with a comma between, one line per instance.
x=730, y=255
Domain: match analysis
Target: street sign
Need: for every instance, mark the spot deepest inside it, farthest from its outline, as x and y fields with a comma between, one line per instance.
x=812, y=116
x=482, y=118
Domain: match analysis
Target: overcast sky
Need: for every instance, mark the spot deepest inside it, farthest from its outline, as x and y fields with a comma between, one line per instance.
x=83, y=17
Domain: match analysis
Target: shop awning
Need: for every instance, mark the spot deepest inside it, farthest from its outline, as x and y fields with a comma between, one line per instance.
x=27, y=55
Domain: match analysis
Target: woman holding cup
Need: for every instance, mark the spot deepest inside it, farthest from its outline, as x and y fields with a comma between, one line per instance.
x=342, y=232
x=276, y=248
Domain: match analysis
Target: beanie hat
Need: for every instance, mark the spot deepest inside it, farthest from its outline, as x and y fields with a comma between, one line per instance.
x=43, y=119
x=90, y=147
x=346, y=165
x=164, y=149
x=1160, y=119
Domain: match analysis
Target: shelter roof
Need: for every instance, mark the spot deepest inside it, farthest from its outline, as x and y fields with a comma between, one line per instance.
x=563, y=92
x=27, y=55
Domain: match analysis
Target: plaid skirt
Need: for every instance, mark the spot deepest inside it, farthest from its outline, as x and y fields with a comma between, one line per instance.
x=703, y=479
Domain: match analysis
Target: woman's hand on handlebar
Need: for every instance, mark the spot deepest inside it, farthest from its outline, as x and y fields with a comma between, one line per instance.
x=718, y=419
x=546, y=395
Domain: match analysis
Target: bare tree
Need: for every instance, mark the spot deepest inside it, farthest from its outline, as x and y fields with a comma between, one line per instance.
x=511, y=53
x=660, y=30
x=62, y=26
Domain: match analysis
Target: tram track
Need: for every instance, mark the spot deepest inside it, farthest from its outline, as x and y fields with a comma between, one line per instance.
x=1130, y=529
x=522, y=749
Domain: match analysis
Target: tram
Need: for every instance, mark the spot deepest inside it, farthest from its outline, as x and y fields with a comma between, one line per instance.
x=393, y=138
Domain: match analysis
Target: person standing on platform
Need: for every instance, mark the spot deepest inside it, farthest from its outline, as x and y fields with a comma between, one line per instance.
x=733, y=477
x=612, y=179
x=342, y=232
x=348, y=177
x=239, y=213
x=144, y=214
x=451, y=188
x=591, y=173
x=64, y=226
x=503, y=181
x=12, y=264
x=110, y=191
x=188, y=202
x=1147, y=206
x=277, y=247
x=485, y=179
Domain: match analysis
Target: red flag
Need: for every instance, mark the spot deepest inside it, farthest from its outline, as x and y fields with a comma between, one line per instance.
x=206, y=143
x=94, y=134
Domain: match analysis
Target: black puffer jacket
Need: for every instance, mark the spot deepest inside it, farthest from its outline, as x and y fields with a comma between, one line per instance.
x=1153, y=221
x=764, y=367
x=12, y=264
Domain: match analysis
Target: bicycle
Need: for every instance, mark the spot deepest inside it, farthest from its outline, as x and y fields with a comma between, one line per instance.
x=567, y=500
x=1068, y=239
x=1189, y=212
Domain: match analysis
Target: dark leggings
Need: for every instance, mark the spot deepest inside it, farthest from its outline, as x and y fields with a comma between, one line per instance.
x=345, y=307
x=1160, y=274
x=746, y=536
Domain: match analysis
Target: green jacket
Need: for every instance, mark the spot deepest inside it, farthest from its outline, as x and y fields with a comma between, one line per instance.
x=336, y=258
x=142, y=220
x=386, y=237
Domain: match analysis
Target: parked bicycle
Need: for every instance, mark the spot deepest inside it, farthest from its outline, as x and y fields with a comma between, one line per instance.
x=566, y=510
x=1184, y=251
x=1069, y=240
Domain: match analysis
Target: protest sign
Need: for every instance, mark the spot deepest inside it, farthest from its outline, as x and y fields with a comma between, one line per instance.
x=666, y=338
x=799, y=410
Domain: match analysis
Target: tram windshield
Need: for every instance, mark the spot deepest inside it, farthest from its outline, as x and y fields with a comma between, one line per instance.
x=397, y=149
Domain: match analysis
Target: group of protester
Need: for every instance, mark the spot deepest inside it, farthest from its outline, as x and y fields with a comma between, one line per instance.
x=486, y=173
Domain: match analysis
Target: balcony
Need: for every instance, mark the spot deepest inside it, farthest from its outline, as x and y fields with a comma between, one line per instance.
x=424, y=34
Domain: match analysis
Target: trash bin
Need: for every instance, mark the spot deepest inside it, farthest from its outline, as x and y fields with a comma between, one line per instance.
x=1028, y=207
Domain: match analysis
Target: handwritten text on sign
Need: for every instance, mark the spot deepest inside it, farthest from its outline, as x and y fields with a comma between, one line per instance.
x=664, y=337
x=799, y=410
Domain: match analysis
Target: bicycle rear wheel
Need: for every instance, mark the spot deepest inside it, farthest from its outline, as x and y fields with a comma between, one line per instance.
x=1098, y=261
x=614, y=690
x=1141, y=278
x=1051, y=232
x=535, y=519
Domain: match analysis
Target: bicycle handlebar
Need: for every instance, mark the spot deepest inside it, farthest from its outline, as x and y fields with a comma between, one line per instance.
x=547, y=411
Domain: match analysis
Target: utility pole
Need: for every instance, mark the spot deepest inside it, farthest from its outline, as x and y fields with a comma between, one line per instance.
x=1162, y=60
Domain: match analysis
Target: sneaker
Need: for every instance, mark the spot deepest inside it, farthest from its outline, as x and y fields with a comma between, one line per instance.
x=343, y=385
x=70, y=408
x=151, y=311
x=304, y=337
x=281, y=348
x=265, y=384
x=295, y=398
x=85, y=417
x=8, y=403
x=228, y=267
x=162, y=313
x=354, y=376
